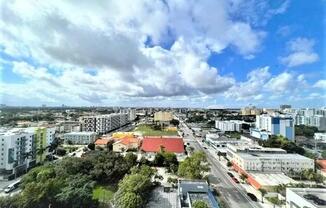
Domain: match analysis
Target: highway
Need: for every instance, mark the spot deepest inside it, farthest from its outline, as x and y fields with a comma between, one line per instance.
x=234, y=194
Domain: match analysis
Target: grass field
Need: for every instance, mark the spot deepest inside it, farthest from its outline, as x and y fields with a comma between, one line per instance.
x=147, y=130
x=104, y=194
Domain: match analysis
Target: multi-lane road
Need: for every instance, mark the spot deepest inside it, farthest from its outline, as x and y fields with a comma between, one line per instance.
x=234, y=194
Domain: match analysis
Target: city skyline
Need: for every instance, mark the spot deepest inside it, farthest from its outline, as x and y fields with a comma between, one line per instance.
x=163, y=53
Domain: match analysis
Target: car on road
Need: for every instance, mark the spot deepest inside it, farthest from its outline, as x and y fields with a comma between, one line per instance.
x=230, y=174
x=12, y=186
x=235, y=180
x=252, y=197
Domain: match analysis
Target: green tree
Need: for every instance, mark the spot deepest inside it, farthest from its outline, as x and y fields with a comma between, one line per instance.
x=243, y=176
x=194, y=167
x=77, y=193
x=130, y=200
x=131, y=159
x=263, y=192
x=199, y=204
x=175, y=122
x=323, y=154
x=229, y=164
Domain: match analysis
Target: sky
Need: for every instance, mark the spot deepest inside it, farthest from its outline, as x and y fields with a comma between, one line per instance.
x=164, y=53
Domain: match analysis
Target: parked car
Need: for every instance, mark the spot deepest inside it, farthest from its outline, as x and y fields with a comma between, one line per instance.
x=230, y=174
x=252, y=197
x=235, y=180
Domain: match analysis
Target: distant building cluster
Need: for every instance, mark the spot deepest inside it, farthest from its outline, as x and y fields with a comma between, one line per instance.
x=274, y=125
x=250, y=111
x=309, y=117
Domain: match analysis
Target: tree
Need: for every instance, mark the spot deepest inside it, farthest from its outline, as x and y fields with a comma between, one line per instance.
x=134, y=188
x=263, y=192
x=131, y=159
x=323, y=154
x=199, y=204
x=229, y=164
x=61, y=151
x=175, y=122
x=91, y=146
x=77, y=193
x=194, y=167
x=243, y=176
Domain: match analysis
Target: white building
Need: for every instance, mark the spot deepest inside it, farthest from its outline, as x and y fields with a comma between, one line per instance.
x=15, y=145
x=83, y=137
x=276, y=125
x=131, y=112
x=232, y=125
x=320, y=137
x=318, y=121
x=102, y=124
x=305, y=198
x=270, y=162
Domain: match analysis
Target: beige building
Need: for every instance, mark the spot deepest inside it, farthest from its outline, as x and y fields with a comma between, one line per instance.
x=251, y=110
x=163, y=116
x=126, y=144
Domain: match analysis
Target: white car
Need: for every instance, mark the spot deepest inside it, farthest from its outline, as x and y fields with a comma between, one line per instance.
x=12, y=186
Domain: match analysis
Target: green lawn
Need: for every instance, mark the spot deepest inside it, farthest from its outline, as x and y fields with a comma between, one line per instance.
x=104, y=193
x=147, y=130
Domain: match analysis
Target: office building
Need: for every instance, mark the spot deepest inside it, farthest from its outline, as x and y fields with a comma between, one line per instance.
x=83, y=137
x=276, y=125
x=305, y=198
x=102, y=124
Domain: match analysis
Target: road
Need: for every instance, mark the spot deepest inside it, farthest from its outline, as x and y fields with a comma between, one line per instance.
x=235, y=195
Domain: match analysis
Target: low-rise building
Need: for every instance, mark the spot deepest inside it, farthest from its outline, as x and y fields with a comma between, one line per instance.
x=306, y=198
x=190, y=191
x=259, y=134
x=125, y=144
x=168, y=144
x=103, y=143
x=83, y=137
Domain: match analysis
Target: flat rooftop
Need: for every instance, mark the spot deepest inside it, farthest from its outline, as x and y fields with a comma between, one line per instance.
x=272, y=179
x=316, y=196
x=86, y=133
x=252, y=156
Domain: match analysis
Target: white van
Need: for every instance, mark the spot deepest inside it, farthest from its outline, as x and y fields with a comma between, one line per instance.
x=12, y=186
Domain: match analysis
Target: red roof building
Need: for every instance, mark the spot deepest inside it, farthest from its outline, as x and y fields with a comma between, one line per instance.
x=155, y=144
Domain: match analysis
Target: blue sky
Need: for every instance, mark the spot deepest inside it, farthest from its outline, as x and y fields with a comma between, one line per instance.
x=228, y=53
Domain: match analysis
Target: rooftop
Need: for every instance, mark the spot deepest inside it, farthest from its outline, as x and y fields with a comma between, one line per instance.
x=316, y=196
x=272, y=156
x=272, y=179
x=86, y=133
x=155, y=144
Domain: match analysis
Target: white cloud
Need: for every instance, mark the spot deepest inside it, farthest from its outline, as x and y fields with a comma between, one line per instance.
x=321, y=84
x=280, y=83
x=301, y=52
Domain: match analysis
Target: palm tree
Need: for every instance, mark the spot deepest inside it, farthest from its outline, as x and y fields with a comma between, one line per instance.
x=263, y=192
x=243, y=176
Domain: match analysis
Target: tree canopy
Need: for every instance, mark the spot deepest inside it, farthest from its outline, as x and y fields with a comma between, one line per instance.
x=199, y=204
x=194, y=167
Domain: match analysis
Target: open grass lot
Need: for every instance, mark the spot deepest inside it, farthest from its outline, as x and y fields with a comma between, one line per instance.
x=148, y=130
x=104, y=194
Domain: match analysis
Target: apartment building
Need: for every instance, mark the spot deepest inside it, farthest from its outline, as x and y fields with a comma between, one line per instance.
x=14, y=146
x=43, y=137
x=83, y=137
x=276, y=125
x=102, y=124
x=163, y=116
x=232, y=125
x=318, y=121
x=250, y=111
x=131, y=112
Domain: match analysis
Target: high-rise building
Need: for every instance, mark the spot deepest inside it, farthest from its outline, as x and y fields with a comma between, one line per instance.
x=232, y=125
x=276, y=125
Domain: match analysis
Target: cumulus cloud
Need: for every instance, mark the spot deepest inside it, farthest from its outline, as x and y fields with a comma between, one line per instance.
x=320, y=84
x=301, y=52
